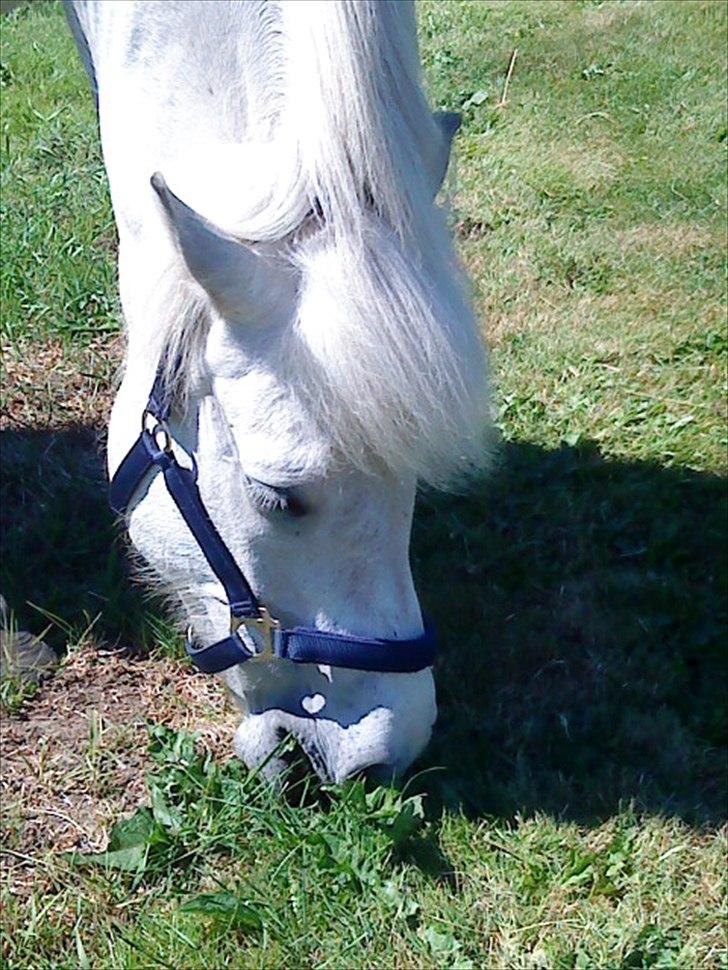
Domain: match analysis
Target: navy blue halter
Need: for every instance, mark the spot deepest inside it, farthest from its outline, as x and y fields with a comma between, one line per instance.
x=152, y=452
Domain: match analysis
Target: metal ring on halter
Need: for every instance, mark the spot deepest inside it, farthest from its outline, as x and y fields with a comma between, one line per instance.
x=266, y=627
x=156, y=428
x=161, y=428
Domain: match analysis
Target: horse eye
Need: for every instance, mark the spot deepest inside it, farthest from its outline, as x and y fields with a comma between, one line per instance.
x=268, y=498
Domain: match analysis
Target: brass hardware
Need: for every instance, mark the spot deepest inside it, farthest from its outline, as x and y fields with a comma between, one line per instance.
x=264, y=625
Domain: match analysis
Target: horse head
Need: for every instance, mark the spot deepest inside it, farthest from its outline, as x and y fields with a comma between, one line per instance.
x=319, y=367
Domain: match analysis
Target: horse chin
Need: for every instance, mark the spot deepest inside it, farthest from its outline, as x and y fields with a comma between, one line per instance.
x=380, y=743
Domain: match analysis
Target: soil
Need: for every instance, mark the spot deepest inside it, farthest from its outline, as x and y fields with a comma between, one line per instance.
x=53, y=385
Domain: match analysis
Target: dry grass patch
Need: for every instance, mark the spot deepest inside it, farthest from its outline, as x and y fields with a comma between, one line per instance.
x=74, y=759
x=586, y=164
x=669, y=238
x=50, y=384
x=607, y=16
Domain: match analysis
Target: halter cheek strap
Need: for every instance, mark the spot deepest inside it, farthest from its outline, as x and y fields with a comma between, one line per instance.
x=152, y=452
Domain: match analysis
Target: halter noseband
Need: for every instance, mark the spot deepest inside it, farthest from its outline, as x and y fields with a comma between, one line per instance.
x=152, y=452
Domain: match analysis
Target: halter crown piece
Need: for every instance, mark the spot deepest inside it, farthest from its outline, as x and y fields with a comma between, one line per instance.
x=152, y=452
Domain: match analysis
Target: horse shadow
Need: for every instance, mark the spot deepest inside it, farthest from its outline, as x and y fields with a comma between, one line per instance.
x=64, y=567
x=581, y=605
x=580, y=602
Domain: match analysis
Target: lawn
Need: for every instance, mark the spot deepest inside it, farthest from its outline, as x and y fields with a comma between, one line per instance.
x=571, y=809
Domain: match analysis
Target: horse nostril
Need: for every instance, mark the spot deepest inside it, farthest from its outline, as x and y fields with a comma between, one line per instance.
x=299, y=772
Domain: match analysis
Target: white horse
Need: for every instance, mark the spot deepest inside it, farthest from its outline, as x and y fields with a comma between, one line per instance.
x=325, y=354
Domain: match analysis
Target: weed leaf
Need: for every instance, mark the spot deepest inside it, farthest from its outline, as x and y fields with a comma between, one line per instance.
x=129, y=843
x=407, y=821
x=163, y=812
x=445, y=949
x=225, y=906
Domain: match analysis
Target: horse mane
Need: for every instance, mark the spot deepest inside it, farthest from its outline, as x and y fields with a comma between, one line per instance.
x=385, y=354
x=353, y=124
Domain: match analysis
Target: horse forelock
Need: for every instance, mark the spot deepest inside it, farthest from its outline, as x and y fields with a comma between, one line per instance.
x=384, y=354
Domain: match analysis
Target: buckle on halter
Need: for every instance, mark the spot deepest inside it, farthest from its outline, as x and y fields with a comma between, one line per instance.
x=264, y=625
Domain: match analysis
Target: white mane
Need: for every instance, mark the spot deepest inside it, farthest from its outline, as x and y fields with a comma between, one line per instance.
x=385, y=355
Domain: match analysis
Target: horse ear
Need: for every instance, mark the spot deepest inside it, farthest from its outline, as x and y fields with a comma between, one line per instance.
x=448, y=123
x=234, y=275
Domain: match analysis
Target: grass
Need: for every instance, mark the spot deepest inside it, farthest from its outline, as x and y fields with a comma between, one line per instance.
x=570, y=811
x=221, y=870
x=61, y=281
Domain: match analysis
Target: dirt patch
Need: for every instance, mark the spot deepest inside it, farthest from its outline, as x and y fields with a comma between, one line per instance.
x=52, y=385
x=73, y=761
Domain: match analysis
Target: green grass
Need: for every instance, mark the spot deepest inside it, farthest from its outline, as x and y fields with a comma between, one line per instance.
x=61, y=281
x=220, y=870
x=573, y=796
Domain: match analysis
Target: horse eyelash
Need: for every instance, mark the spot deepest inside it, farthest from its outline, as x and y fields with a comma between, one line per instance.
x=271, y=499
x=267, y=498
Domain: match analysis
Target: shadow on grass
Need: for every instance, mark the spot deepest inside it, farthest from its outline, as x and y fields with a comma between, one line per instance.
x=60, y=553
x=580, y=602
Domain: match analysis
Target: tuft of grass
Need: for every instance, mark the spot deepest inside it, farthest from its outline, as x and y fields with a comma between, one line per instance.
x=14, y=692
